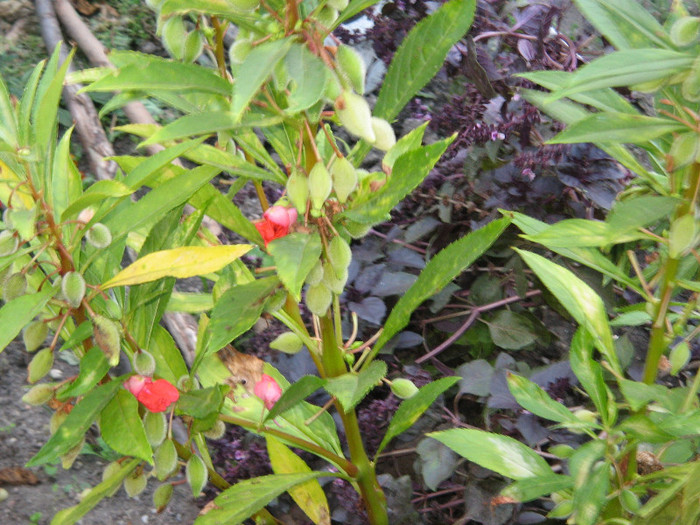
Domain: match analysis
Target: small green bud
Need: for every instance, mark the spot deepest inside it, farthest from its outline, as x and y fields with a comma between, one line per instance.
x=156, y=426
x=38, y=394
x=3, y=495
x=113, y=310
x=333, y=88
x=8, y=243
x=144, y=363
x=349, y=358
x=298, y=191
x=682, y=235
x=239, y=51
x=135, y=483
x=586, y=416
x=174, y=35
x=110, y=471
x=73, y=288
x=562, y=510
x=354, y=113
x=327, y=16
x=165, y=459
x=185, y=383
x=562, y=451
x=338, y=4
x=333, y=280
x=34, y=335
x=57, y=420
x=352, y=67
x=69, y=457
x=99, y=235
x=403, y=388
x=630, y=501
x=357, y=230
x=685, y=149
x=315, y=275
x=384, y=134
x=40, y=365
x=217, y=431
x=344, y=178
x=196, y=474
x=685, y=31
x=679, y=357
x=339, y=255
x=318, y=299
x=107, y=336
x=161, y=496
x=287, y=342
x=320, y=185
x=14, y=286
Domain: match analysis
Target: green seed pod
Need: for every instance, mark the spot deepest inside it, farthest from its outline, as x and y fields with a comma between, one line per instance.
x=156, y=426
x=3, y=495
x=630, y=501
x=327, y=16
x=113, y=310
x=685, y=31
x=287, y=342
x=34, y=335
x=403, y=388
x=682, y=235
x=357, y=230
x=38, y=394
x=339, y=255
x=99, y=235
x=186, y=383
x=679, y=357
x=334, y=88
x=691, y=85
x=144, y=363
x=562, y=451
x=14, y=286
x=351, y=67
x=135, y=483
x=110, y=471
x=239, y=51
x=165, y=459
x=196, y=474
x=315, y=275
x=217, y=431
x=338, y=4
x=8, y=243
x=320, y=185
x=73, y=288
x=335, y=282
x=174, y=35
x=161, y=496
x=354, y=113
x=344, y=178
x=40, y=365
x=69, y=457
x=57, y=420
x=107, y=336
x=685, y=149
x=194, y=45
x=318, y=299
x=562, y=510
x=384, y=134
x=298, y=191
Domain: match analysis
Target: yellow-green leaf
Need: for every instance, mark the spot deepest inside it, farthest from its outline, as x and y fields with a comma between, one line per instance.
x=178, y=262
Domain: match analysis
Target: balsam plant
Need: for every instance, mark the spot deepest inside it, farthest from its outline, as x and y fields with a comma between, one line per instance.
x=639, y=464
x=269, y=109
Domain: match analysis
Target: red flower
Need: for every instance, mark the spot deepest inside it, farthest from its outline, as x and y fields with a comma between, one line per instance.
x=156, y=395
x=276, y=222
x=268, y=390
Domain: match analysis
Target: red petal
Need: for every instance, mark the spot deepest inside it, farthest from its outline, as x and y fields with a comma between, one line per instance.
x=158, y=395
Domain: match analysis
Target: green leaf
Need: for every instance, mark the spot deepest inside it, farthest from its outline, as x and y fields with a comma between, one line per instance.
x=640, y=211
x=19, y=312
x=639, y=394
x=441, y=269
x=203, y=402
x=528, y=489
x=76, y=424
x=255, y=69
x=511, y=331
x=409, y=142
x=122, y=428
x=590, y=374
x=436, y=462
x=354, y=7
x=233, y=164
x=351, y=388
x=247, y=497
x=617, y=127
x=531, y=397
x=295, y=255
x=308, y=75
x=96, y=193
x=93, y=367
x=294, y=394
x=66, y=185
x=412, y=408
x=422, y=54
x=591, y=496
x=579, y=299
x=204, y=123
x=188, y=261
x=89, y=500
x=502, y=454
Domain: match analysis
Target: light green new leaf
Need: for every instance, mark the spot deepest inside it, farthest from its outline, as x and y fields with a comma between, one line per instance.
x=502, y=454
x=233, y=164
x=295, y=255
x=65, y=183
x=170, y=364
x=308, y=75
x=590, y=374
x=617, y=127
x=224, y=8
x=354, y=7
x=531, y=397
x=256, y=68
x=295, y=394
x=122, y=428
x=247, y=497
x=19, y=312
x=351, y=388
x=528, y=489
x=181, y=263
x=309, y=495
x=204, y=123
x=93, y=367
x=591, y=496
x=76, y=424
x=412, y=408
x=146, y=170
x=579, y=299
x=408, y=142
x=96, y=193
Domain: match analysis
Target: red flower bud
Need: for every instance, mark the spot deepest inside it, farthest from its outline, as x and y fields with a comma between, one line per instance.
x=156, y=395
x=268, y=390
x=276, y=222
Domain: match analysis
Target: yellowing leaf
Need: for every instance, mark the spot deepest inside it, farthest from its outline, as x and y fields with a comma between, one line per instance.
x=178, y=262
x=8, y=182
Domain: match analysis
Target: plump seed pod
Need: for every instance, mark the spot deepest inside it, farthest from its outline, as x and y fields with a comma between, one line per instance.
x=682, y=235
x=196, y=474
x=318, y=299
x=320, y=185
x=107, y=336
x=287, y=342
x=15, y=285
x=315, y=275
x=165, y=459
x=344, y=178
x=40, y=365
x=630, y=501
x=217, y=431
x=298, y=191
x=194, y=45
x=685, y=149
x=135, y=483
x=239, y=51
x=99, y=236
x=327, y=16
x=339, y=254
x=333, y=89
x=351, y=67
x=403, y=388
x=678, y=357
x=354, y=113
x=357, y=230
x=144, y=363
x=173, y=35
x=69, y=457
x=384, y=134
x=110, y=471
x=34, y=335
x=685, y=31
x=562, y=451
x=57, y=420
x=38, y=394
x=156, y=426
x=335, y=282
x=73, y=288
x=8, y=243
x=338, y=4
x=185, y=383
x=161, y=496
